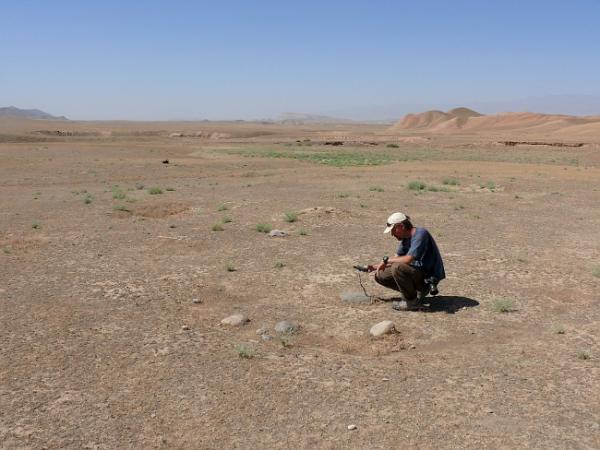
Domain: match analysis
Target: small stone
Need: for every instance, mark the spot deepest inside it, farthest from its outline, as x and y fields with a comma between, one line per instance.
x=381, y=328
x=266, y=337
x=385, y=379
x=355, y=297
x=352, y=427
x=412, y=346
x=235, y=320
x=277, y=233
x=262, y=331
x=196, y=301
x=185, y=328
x=286, y=327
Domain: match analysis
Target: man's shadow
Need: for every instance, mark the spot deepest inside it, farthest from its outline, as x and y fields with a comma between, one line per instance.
x=447, y=303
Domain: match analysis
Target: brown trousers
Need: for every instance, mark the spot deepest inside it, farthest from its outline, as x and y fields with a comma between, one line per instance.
x=404, y=278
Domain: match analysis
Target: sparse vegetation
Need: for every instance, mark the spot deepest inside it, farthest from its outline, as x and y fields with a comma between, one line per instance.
x=218, y=227
x=503, y=305
x=450, y=181
x=155, y=190
x=376, y=189
x=583, y=355
x=244, y=351
x=230, y=267
x=226, y=219
x=558, y=329
x=118, y=194
x=88, y=199
x=263, y=227
x=170, y=189
x=291, y=216
x=434, y=188
x=343, y=195
x=416, y=185
x=222, y=207
x=279, y=265
x=596, y=271
x=392, y=146
x=303, y=232
x=139, y=186
x=122, y=208
x=489, y=185
x=35, y=225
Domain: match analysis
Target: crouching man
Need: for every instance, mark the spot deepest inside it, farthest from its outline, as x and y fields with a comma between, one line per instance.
x=417, y=267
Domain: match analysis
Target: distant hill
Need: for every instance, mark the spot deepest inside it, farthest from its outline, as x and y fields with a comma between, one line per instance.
x=464, y=119
x=301, y=118
x=11, y=111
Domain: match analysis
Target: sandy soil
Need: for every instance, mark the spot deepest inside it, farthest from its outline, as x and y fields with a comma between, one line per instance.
x=102, y=346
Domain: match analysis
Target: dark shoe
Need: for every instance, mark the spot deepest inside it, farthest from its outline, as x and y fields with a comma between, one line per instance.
x=424, y=293
x=406, y=305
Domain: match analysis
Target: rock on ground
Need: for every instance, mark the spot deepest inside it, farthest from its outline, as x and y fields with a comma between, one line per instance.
x=235, y=320
x=381, y=328
x=277, y=233
x=286, y=327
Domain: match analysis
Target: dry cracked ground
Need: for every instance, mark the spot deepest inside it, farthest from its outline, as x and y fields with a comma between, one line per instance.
x=104, y=248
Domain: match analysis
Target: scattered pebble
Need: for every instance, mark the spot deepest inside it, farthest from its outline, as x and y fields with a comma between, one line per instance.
x=262, y=330
x=381, y=328
x=185, y=328
x=196, y=301
x=385, y=379
x=277, y=233
x=352, y=427
x=235, y=320
x=266, y=337
x=286, y=327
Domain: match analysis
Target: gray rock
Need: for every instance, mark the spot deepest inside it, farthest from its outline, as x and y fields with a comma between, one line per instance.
x=355, y=297
x=277, y=233
x=352, y=427
x=196, y=301
x=185, y=328
x=235, y=320
x=381, y=328
x=286, y=327
x=262, y=330
x=266, y=337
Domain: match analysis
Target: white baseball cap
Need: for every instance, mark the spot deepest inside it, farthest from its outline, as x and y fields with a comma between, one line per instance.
x=395, y=218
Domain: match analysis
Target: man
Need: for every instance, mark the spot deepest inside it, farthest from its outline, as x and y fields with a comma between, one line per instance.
x=417, y=263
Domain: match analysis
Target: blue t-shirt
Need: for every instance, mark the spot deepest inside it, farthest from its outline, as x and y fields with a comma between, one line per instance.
x=425, y=253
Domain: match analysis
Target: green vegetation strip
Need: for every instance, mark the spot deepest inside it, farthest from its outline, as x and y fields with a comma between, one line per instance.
x=340, y=159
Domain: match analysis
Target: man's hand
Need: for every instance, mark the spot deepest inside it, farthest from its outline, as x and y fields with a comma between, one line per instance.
x=377, y=267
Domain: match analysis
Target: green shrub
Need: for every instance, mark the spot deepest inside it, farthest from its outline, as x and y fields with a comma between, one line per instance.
x=291, y=216
x=303, y=232
x=503, y=305
x=416, y=185
x=222, y=207
x=218, y=227
x=118, y=194
x=263, y=227
x=343, y=195
x=596, y=271
x=226, y=219
x=230, y=267
x=583, y=355
x=170, y=189
x=35, y=225
x=88, y=199
x=376, y=189
x=279, y=265
x=155, y=190
x=244, y=351
x=450, y=181
x=392, y=146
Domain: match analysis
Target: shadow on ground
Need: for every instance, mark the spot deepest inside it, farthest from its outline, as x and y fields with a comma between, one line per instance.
x=448, y=303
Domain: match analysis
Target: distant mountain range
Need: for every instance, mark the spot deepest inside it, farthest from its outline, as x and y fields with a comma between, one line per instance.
x=301, y=118
x=11, y=111
x=465, y=119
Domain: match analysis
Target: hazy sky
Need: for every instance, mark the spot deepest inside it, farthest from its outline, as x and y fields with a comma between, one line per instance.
x=255, y=59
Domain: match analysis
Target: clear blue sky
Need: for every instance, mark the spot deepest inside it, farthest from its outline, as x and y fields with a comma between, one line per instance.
x=255, y=59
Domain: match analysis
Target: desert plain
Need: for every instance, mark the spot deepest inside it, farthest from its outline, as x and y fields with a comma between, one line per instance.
x=117, y=269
